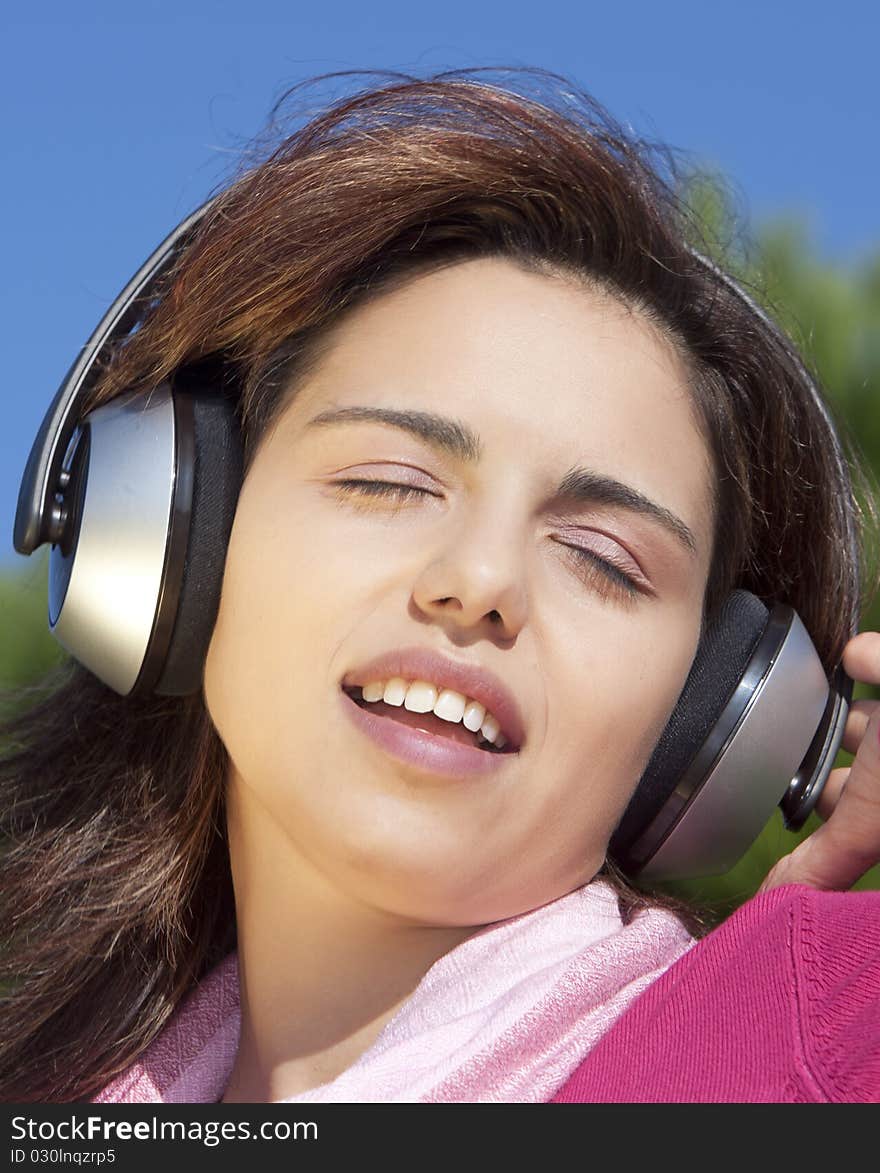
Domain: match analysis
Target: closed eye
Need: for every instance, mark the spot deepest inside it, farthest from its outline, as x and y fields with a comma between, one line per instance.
x=383, y=489
x=616, y=574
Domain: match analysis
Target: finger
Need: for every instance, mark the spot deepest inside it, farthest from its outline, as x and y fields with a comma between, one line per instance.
x=848, y=843
x=861, y=657
x=857, y=719
x=831, y=792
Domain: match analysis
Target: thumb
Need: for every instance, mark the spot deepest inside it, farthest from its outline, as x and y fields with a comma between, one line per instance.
x=839, y=852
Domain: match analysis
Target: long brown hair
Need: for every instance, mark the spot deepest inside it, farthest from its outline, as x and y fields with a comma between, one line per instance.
x=117, y=893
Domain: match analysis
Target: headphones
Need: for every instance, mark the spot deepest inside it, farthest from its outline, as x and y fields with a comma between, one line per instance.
x=137, y=501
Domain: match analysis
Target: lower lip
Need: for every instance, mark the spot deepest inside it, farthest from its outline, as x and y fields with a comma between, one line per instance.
x=431, y=752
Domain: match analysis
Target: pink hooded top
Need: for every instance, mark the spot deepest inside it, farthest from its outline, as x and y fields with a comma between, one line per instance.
x=566, y=1004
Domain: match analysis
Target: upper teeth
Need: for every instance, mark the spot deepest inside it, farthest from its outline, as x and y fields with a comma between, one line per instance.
x=423, y=697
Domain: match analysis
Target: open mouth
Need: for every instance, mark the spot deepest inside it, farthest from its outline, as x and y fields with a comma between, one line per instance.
x=426, y=722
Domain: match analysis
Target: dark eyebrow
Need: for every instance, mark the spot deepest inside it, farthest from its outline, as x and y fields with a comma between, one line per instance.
x=449, y=435
x=579, y=485
x=584, y=485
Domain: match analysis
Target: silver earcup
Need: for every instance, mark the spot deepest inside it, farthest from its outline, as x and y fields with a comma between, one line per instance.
x=106, y=577
x=744, y=769
x=150, y=491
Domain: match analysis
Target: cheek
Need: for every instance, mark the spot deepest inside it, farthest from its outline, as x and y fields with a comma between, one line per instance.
x=299, y=579
x=622, y=693
x=656, y=687
x=283, y=596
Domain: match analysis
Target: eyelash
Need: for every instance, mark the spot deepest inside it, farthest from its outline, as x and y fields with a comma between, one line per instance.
x=402, y=493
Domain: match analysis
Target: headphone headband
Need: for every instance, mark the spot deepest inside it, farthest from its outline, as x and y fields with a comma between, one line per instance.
x=809, y=382
x=39, y=518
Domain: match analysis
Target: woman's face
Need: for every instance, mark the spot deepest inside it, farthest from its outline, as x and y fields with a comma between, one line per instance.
x=482, y=568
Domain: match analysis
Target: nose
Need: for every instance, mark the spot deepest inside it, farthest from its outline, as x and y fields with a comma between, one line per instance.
x=476, y=577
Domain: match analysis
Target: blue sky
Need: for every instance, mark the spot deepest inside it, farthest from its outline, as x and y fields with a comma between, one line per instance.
x=119, y=119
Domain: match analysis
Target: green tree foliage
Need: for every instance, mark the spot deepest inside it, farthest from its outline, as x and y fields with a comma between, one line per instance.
x=27, y=648
x=831, y=309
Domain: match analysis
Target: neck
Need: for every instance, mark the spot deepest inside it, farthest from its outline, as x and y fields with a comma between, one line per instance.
x=321, y=972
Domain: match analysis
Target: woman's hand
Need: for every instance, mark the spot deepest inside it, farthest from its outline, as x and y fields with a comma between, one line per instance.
x=848, y=842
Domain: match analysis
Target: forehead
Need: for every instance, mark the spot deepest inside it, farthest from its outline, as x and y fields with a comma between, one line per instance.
x=550, y=374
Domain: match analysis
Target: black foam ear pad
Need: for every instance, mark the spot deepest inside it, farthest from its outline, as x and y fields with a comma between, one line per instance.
x=217, y=462
x=719, y=664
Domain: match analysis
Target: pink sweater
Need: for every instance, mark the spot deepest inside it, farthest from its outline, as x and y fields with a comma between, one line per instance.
x=781, y=1004
x=564, y=1004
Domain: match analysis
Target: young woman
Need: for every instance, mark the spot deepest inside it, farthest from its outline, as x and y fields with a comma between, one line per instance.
x=508, y=445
